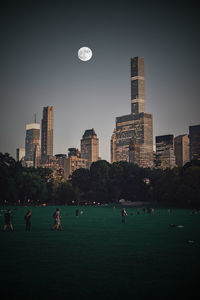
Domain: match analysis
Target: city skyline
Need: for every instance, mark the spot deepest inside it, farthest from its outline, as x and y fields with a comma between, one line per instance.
x=40, y=67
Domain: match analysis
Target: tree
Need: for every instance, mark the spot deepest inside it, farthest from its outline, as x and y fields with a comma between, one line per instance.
x=81, y=183
x=100, y=178
x=32, y=188
x=64, y=193
x=9, y=172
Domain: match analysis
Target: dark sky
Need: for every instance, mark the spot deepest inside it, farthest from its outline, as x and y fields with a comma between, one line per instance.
x=39, y=67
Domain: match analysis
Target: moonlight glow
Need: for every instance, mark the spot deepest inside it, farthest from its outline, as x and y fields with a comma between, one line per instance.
x=84, y=53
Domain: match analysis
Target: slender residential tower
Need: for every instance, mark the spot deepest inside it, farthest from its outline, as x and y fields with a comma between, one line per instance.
x=47, y=133
x=132, y=139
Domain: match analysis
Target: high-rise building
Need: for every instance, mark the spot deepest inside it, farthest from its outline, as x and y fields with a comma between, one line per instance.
x=73, y=162
x=165, y=157
x=182, y=149
x=31, y=142
x=20, y=154
x=194, y=135
x=132, y=139
x=113, y=147
x=47, y=133
x=90, y=146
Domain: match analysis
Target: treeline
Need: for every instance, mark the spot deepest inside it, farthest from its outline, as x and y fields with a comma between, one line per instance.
x=103, y=183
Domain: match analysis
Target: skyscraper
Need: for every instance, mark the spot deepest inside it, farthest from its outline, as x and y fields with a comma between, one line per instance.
x=182, y=149
x=194, y=134
x=31, y=142
x=47, y=133
x=165, y=151
x=132, y=139
x=90, y=146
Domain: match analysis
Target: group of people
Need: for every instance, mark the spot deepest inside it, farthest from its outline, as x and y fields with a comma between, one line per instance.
x=8, y=220
x=56, y=220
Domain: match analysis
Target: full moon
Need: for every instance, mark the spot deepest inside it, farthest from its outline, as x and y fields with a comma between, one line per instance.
x=84, y=53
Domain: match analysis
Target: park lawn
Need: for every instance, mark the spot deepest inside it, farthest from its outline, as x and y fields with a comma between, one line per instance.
x=98, y=257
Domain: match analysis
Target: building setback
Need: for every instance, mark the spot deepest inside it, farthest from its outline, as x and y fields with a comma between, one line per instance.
x=90, y=146
x=32, y=141
x=47, y=133
x=182, y=149
x=132, y=139
x=165, y=157
x=194, y=134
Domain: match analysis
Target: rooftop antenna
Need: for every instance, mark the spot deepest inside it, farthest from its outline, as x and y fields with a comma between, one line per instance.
x=35, y=117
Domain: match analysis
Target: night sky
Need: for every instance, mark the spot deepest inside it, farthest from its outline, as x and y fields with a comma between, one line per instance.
x=39, y=67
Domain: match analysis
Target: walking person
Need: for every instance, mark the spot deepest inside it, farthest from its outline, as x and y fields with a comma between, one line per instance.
x=8, y=221
x=124, y=214
x=57, y=223
x=27, y=218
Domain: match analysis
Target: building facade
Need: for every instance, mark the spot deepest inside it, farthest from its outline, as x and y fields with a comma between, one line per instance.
x=90, y=147
x=20, y=154
x=47, y=133
x=194, y=135
x=37, y=156
x=165, y=156
x=132, y=139
x=73, y=162
x=182, y=149
x=32, y=141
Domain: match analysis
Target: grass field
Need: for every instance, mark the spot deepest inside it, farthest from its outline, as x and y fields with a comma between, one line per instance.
x=98, y=257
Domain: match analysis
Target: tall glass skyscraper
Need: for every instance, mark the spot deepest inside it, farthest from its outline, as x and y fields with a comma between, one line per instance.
x=31, y=142
x=47, y=133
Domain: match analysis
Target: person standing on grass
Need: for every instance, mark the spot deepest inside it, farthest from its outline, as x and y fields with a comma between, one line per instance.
x=124, y=214
x=28, y=220
x=8, y=220
x=57, y=223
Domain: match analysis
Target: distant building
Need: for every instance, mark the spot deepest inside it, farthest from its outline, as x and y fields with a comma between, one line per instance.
x=73, y=162
x=90, y=147
x=182, y=149
x=165, y=156
x=37, y=156
x=47, y=134
x=60, y=158
x=113, y=147
x=32, y=142
x=20, y=154
x=132, y=139
x=194, y=134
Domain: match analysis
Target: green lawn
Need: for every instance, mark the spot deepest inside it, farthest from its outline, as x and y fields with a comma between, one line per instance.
x=98, y=257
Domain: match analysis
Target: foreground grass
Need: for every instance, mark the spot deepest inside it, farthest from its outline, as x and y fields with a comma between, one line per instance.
x=98, y=257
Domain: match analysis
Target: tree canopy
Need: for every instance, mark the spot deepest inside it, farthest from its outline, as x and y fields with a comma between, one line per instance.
x=103, y=183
